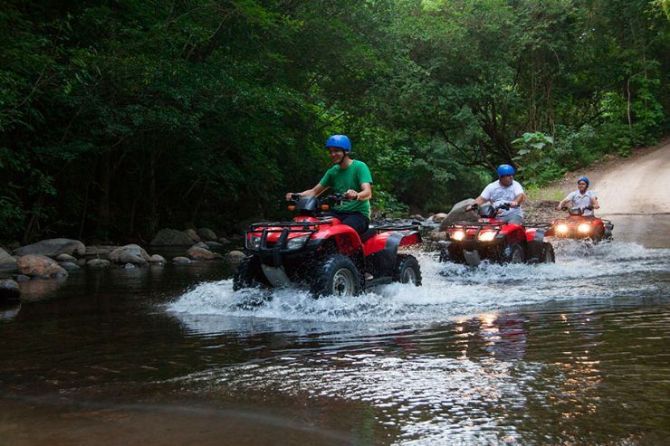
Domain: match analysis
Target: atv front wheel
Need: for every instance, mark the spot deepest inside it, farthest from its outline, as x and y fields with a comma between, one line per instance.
x=407, y=270
x=249, y=274
x=336, y=275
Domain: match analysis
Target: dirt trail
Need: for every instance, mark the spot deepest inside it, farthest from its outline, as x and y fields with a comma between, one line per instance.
x=637, y=186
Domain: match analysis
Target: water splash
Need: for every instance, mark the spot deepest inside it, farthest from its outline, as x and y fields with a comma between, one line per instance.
x=449, y=291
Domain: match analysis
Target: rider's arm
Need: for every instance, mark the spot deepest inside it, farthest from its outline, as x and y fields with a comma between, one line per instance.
x=364, y=194
x=313, y=192
x=563, y=203
x=518, y=200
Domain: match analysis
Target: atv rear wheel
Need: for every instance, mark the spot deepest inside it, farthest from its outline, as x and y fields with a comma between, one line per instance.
x=336, y=275
x=249, y=274
x=513, y=253
x=407, y=270
x=548, y=255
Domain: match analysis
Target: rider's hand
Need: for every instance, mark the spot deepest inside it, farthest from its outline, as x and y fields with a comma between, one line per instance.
x=468, y=208
x=558, y=208
x=513, y=204
x=351, y=194
x=289, y=196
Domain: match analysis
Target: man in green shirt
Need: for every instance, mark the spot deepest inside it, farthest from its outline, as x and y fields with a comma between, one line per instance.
x=349, y=177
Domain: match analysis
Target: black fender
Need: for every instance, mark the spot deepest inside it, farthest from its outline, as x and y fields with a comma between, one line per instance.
x=384, y=261
x=535, y=246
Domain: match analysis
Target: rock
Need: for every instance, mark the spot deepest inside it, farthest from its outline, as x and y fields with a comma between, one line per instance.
x=197, y=253
x=81, y=262
x=129, y=254
x=207, y=234
x=235, y=257
x=22, y=278
x=9, y=290
x=192, y=235
x=214, y=245
x=129, y=266
x=70, y=266
x=65, y=258
x=439, y=217
x=157, y=259
x=171, y=237
x=202, y=245
x=181, y=260
x=53, y=247
x=458, y=213
x=417, y=217
x=98, y=263
x=7, y=262
x=224, y=240
x=100, y=251
x=40, y=266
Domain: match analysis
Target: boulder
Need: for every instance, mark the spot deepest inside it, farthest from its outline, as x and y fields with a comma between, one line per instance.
x=52, y=248
x=171, y=237
x=458, y=213
x=202, y=245
x=9, y=290
x=224, y=240
x=129, y=254
x=235, y=257
x=214, y=245
x=207, y=234
x=69, y=266
x=181, y=260
x=22, y=278
x=157, y=259
x=98, y=263
x=192, y=235
x=417, y=217
x=439, y=217
x=197, y=253
x=100, y=251
x=40, y=266
x=7, y=262
x=65, y=258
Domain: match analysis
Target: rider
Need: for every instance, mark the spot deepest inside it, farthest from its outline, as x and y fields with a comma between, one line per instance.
x=582, y=198
x=349, y=177
x=504, y=191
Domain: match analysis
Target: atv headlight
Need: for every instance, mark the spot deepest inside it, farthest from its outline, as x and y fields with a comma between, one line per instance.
x=253, y=242
x=584, y=228
x=297, y=242
x=458, y=235
x=487, y=236
x=562, y=229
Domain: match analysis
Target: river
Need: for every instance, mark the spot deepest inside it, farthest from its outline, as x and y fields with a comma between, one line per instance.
x=571, y=353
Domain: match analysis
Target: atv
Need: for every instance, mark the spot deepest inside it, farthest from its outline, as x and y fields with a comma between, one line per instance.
x=581, y=227
x=331, y=258
x=495, y=240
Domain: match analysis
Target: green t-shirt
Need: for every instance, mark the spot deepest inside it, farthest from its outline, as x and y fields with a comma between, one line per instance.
x=341, y=180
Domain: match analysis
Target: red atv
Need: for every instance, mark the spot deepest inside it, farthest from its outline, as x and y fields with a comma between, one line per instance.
x=492, y=239
x=331, y=258
x=581, y=227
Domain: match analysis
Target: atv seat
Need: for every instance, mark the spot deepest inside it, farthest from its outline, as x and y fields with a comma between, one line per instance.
x=367, y=235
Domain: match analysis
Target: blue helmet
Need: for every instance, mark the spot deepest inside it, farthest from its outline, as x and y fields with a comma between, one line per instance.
x=505, y=169
x=339, y=142
x=584, y=179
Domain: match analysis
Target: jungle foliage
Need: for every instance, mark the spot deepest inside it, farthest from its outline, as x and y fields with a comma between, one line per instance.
x=121, y=117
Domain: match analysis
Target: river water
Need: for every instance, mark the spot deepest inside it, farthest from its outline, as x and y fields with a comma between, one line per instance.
x=571, y=353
